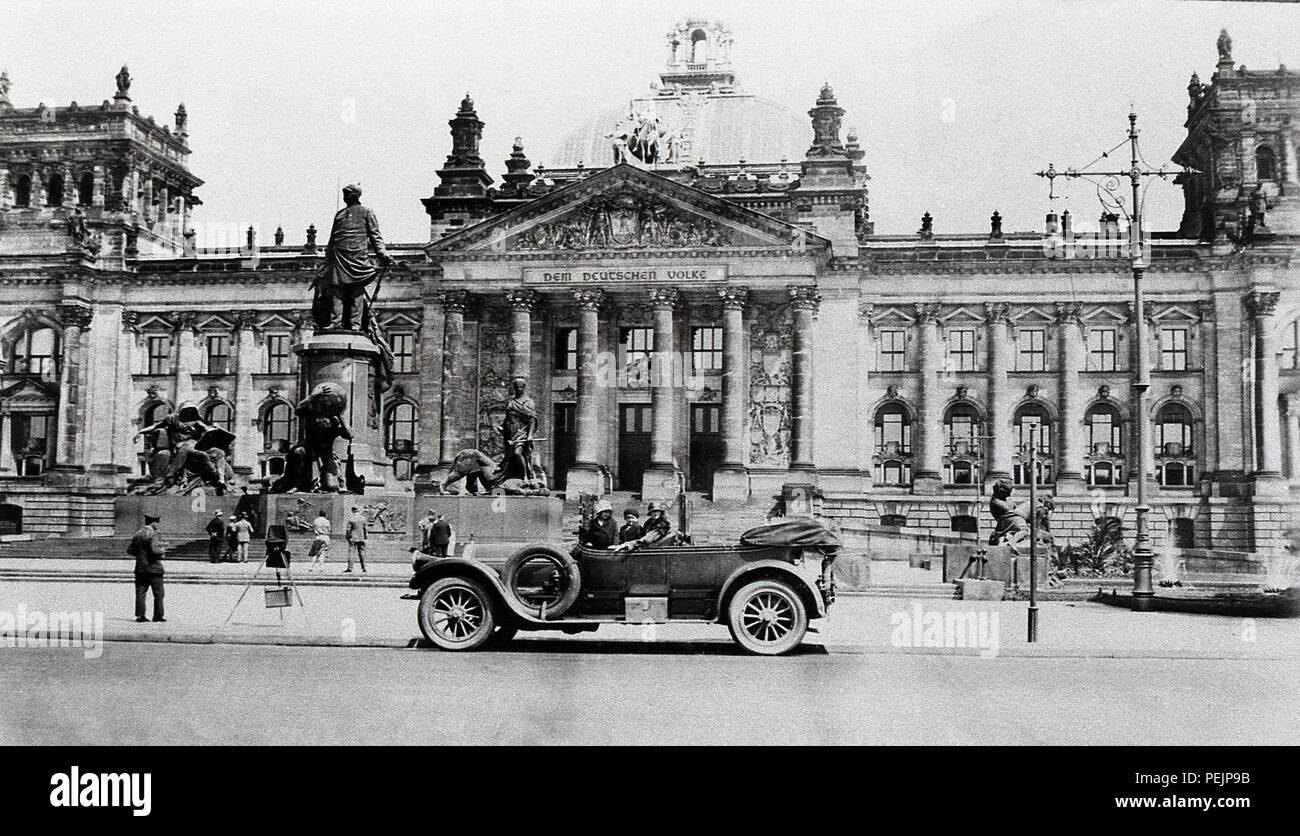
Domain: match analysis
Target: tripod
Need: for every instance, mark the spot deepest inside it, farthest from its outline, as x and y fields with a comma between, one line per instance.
x=277, y=558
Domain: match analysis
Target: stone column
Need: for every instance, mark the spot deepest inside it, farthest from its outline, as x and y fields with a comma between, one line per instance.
x=659, y=482
x=804, y=301
x=1293, y=435
x=1268, y=442
x=521, y=334
x=187, y=358
x=6, y=442
x=585, y=477
x=927, y=434
x=453, y=339
x=731, y=480
x=74, y=317
x=1069, y=444
x=429, y=439
x=1290, y=177
x=247, y=440
x=999, y=446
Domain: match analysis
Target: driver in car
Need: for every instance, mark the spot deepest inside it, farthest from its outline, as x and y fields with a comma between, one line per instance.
x=658, y=530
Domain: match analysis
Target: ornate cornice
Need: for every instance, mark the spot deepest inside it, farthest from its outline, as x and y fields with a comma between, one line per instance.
x=522, y=300
x=804, y=297
x=664, y=298
x=454, y=300
x=734, y=298
x=927, y=311
x=589, y=299
x=1262, y=302
x=997, y=311
x=72, y=315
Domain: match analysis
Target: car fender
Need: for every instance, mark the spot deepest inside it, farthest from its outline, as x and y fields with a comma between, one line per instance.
x=476, y=571
x=769, y=568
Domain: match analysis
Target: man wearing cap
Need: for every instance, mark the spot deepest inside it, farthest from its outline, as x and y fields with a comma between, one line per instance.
x=349, y=268
x=147, y=548
x=601, y=533
x=216, y=529
x=357, y=530
x=631, y=529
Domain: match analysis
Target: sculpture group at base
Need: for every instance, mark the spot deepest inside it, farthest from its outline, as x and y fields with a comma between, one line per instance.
x=1011, y=521
x=187, y=454
x=520, y=471
x=312, y=465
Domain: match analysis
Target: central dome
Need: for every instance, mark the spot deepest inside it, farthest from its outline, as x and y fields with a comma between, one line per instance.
x=696, y=112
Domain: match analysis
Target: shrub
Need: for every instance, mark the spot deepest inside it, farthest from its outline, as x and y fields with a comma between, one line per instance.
x=1103, y=554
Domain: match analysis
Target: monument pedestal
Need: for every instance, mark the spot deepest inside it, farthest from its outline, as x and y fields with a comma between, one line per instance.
x=730, y=484
x=351, y=361
x=583, y=479
x=659, y=484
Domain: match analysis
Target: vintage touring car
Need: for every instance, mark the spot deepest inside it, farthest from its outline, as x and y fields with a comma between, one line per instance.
x=765, y=589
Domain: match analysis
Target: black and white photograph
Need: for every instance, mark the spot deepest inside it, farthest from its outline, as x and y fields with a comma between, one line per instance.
x=658, y=374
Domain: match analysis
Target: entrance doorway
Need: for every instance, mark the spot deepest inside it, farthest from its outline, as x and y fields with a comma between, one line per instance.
x=564, y=443
x=633, y=444
x=706, y=444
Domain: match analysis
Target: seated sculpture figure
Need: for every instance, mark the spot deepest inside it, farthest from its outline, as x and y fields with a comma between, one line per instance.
x=188, y=450
x=1011, y=521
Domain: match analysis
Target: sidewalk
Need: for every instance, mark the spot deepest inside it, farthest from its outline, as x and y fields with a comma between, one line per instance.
x=370, y=615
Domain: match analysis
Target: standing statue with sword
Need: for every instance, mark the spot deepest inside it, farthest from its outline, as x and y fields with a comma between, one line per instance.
x=353, y=258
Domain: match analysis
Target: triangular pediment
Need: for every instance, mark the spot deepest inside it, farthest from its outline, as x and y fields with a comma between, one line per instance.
x=625, y=209
x=28, y=392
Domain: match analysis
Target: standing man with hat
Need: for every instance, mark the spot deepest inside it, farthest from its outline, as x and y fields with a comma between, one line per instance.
x=349, y=267
x=147, y=548
x=216, y=529
x=356, y=533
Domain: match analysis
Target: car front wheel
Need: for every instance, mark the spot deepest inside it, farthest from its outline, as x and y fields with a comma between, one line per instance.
x=456, y=614
x=767, y=617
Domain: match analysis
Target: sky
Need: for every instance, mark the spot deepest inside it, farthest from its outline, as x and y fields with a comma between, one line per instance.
x=957, y=104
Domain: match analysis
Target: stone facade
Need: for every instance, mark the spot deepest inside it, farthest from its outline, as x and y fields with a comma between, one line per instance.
x=737, y=322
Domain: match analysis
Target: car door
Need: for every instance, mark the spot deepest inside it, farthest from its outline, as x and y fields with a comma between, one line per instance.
x=693, y=579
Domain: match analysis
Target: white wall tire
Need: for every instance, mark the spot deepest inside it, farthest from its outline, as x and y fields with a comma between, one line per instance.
x=456, y=614
x=767, y=617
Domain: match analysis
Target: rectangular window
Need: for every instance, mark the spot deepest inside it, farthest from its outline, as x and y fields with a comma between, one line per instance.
x=403, y=346
x=277, y=353
x=961, y=350
x=1173, y=349
x=566, y=349
x=160, y=355
x=218, y=353
x=636, y=346
x=706, y=348
x=892, y=350
x=1101, y=350
x=1291, y=346
x=1031, y=350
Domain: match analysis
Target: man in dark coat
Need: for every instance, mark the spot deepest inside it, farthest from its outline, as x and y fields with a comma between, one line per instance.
x=147, y=548
x=439, y=536
x=216, y=529
x=349, y=267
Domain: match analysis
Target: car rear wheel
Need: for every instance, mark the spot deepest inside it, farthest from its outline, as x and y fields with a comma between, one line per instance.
x=767, y=617
x=456, y=614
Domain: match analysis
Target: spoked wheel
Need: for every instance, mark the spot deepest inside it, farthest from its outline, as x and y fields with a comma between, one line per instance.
x=456, y=614
x=767, y=617
x=543, y=581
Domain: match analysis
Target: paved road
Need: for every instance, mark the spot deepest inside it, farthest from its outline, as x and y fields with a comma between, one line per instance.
x=551, y=691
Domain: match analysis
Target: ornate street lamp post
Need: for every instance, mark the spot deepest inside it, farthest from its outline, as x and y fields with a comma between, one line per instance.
x=1108, y=192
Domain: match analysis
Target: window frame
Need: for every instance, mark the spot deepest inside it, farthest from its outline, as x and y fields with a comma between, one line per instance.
x=897, y=348
x=966, y=356
x=404, y=360
x=713, y=352
x=1025, y=348
x=565, y=357
x=221, y=339
x=1101, y=358
x=1174, y=358
x=273, y=339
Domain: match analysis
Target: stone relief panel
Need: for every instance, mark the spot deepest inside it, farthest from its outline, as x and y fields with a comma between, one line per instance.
x=770, y=360
x=625, y=218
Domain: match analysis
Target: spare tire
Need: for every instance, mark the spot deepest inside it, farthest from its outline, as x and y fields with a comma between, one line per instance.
x=543, y=581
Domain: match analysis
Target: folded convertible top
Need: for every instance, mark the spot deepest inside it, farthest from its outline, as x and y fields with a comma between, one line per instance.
x=795, y=531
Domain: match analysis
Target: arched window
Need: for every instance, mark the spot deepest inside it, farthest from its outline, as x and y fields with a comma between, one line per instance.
x=277, y=427
x=893, y=430
x=221, y=416
x=86, y=189
x=962, y=425
x=35, y=350
x=1033, y=419
x=699, y=47
x=54, y=191
x=400, y=429
x=23, y=191
x=1265, y=163
x=1173, y=435
x=1104, y=435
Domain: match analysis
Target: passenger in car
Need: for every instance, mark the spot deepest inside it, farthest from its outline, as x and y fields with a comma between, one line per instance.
x=631, y=529
x=602, y=533
x=658, y=530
